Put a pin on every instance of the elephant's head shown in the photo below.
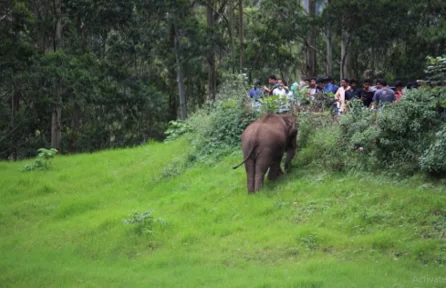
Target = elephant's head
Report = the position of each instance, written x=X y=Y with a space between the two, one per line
x=290 y=121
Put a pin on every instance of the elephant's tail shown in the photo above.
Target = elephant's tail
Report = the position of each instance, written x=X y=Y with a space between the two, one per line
x=246 y=159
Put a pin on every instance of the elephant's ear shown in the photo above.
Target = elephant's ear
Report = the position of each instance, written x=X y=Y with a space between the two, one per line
x=290 y=121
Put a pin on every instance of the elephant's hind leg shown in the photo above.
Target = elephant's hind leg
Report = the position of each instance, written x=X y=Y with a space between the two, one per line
x=250 y=174
x=274 y=170
x=262 y=164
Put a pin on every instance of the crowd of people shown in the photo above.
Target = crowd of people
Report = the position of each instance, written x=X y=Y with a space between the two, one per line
x=372 y=96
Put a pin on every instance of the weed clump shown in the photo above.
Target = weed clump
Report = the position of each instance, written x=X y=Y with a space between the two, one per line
x=144 y=222
x=42 y=161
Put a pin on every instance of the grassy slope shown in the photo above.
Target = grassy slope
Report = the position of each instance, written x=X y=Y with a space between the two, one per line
x=63 y=227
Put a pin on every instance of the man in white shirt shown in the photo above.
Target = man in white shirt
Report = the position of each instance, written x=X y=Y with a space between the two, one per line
x=281 y=89
x=285 y=96
x=340 y=95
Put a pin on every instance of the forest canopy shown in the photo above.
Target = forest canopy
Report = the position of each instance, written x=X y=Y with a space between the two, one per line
x=82 y=75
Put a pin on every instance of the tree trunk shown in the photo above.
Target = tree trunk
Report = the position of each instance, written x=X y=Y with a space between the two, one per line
x=212 y=75
x=231 y=34
x=74 y=127
x=56 y=125
x=345 y=55
x=241 y=34
x=311 y=68
x=14 y=105
x=58 y=29
x=180 y=75
x=329 y=67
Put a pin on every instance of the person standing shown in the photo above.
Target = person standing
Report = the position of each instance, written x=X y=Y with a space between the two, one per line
x=340 y=95
x=313 y=88
x=330 y=87
x=383 y=95
x=399 y=90
x=366 y=93
x=255 y=92
x=320 y=84
x=272 y=81
x=281 y=89
x=352 y=92
x=284 y=95
x=294 y=87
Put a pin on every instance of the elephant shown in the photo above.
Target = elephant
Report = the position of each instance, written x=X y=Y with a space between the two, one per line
x=263 y=144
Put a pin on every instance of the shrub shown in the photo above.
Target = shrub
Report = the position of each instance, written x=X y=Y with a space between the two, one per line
x=176 y=129
x=216 y=130
x=407 y=129
x=308 y=123
x=271 y=104
x=221 y=130
x=143 y=222
x=42 y=161
x=434 y=158
x=305 y=130
x=396 y=137
x=323 y=150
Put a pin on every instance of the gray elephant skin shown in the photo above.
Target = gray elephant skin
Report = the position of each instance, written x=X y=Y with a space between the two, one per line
x=263 y=143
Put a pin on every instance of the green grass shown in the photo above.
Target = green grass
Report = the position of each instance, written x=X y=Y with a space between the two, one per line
x=63 y=227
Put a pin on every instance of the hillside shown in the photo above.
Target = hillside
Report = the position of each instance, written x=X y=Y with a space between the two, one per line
x=63 y=227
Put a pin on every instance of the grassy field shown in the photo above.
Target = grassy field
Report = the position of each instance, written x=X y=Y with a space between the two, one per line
x=63 y=227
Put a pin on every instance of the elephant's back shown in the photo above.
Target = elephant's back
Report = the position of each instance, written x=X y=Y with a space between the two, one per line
x=265 y=134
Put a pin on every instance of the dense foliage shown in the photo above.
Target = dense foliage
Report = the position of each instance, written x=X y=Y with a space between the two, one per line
x=216 y=129
x=404 y=138
x=434 y=158
x=82 y=75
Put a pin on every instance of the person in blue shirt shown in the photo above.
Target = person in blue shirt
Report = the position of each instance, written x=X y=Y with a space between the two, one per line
x=255 y=92
x=330 y=87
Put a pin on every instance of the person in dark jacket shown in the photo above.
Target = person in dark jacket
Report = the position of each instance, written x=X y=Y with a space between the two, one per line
x=353 y=92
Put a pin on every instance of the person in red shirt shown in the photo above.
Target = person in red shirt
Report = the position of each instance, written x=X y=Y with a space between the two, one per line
x=399 y=92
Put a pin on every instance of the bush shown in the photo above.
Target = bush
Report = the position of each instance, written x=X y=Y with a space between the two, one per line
x=396 y=139
x=143 y=222
x=407 y=129
x=216 y=130
x=42 y=161
x=219 y=132
x=305 y=130
x=308 y=123
x=434 y=158
x=323 y=150
x=176 y=129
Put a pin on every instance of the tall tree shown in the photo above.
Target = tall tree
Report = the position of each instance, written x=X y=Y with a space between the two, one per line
x=241 y=35
x=310 y=44
x=231 y=33
x=345 y=49
x=329 y=41
x=56 y=122
x=212 y=75
x=180 y=80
